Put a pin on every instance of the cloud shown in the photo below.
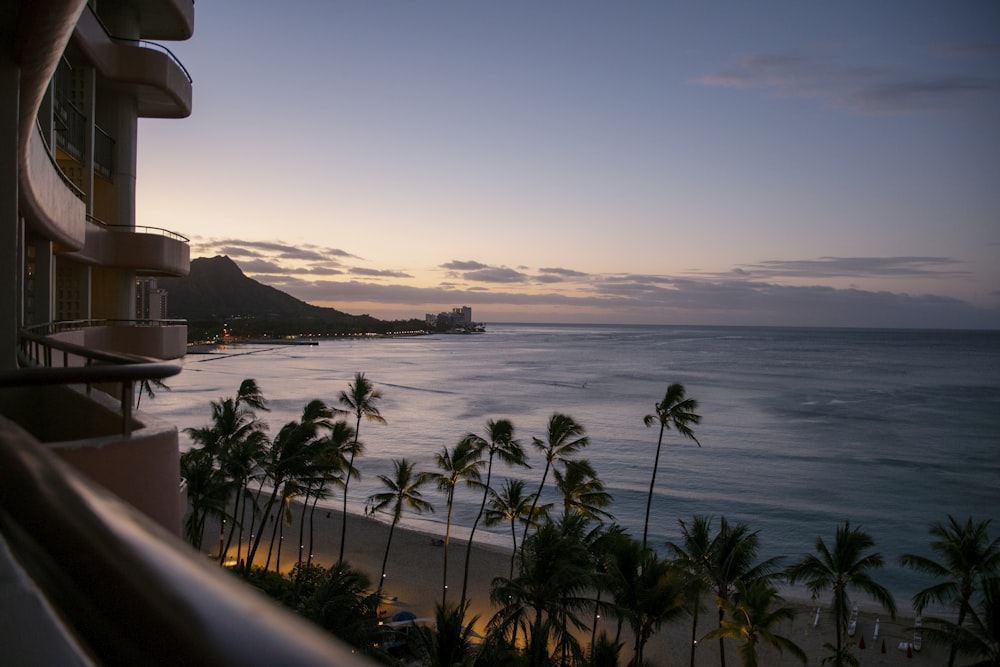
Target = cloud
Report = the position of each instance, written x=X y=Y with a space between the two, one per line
x=279 y=249
x=260 y=266
x=856 y=267
x=456 y=265
x=859 y=89
x=665 y=300
x=483 y=273
x=495 y=275
x=565 y=273
x=360 y=271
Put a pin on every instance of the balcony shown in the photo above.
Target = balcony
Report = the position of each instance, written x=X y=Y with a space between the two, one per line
x=153 y=339
x=166 y=19
x=161 y=84
x=52 y=203
x=149 y=251
x=84 y=577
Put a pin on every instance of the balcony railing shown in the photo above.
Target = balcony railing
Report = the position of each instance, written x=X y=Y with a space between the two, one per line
x=48 y=361
x=124 y=590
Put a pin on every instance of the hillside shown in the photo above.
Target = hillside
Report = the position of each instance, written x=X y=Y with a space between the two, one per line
x=216 y=291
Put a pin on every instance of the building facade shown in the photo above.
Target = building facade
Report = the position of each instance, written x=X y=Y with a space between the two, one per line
x=75 y=78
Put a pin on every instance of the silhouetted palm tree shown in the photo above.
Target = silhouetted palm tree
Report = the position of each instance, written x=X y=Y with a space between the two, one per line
x=402 y=492
x=754 y=618
x=287 y=460
x=549 y=592
x=650 y=592
x=499 y=443
x=847 y=566
x=231 y=444
x=731 y=562
x=980 y=638
x=511 y=505
x=966 y=555
x=460 y=464
x=359 y=400
x=331 y=466
x=676 y=412
x=449 y=642
x=694 y=556
x=564 y=438
x=583 y=491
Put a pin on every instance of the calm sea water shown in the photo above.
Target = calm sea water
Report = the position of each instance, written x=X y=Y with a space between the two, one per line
x=802 y=429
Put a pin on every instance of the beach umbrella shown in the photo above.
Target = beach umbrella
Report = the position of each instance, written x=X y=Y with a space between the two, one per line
x=403 y=616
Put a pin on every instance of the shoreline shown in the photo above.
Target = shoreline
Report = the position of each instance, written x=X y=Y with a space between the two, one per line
x=414 y=583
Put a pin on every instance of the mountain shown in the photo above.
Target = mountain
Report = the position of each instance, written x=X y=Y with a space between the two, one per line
x=217 y=291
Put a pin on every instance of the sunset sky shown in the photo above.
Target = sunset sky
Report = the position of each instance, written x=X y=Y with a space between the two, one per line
x=785 y=163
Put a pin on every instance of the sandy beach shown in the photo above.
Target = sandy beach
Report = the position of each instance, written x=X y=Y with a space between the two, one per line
x=414 y=579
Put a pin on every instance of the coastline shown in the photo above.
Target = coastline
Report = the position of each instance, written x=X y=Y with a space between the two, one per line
x=414 y=580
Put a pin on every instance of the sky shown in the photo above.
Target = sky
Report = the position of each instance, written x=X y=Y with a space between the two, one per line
x=704 y=163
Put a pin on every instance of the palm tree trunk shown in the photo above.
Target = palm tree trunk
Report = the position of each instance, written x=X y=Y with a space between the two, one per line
x=472 y=533
x=722 y=645
x=513 y=554
x=252 y=553
x=347 y=481
x=302 y=525
x=385 y=558
x=652 y=484
x=447 y=538
x=281 y=543
x=534 y=503
x=232 y=530
x=312 y=526
x=274 y=536
x=694 y=630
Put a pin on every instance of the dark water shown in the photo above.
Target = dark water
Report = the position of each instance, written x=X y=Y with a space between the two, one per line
x=802 y=429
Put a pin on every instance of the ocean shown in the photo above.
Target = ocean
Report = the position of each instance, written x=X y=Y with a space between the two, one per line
x=802 y=429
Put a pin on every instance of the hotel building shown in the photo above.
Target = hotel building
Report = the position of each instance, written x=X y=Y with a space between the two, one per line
x=91 y=502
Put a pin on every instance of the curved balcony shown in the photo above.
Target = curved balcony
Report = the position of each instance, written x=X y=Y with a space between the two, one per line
x=149 y=251
x=152 y=339
x=161 y=84
x=166 y=19
x=52 y=205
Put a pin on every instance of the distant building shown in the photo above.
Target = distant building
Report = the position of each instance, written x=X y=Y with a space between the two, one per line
x=460 y=318
x=150 y=300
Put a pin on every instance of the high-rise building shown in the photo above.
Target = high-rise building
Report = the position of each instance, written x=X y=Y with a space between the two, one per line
x=88 y=485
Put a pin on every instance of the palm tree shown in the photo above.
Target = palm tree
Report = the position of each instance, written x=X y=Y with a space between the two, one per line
x=208 y=492
x=512 y=505
x=461 y=464
x=549 y=592
x=847 y=566
x=449 y=643
x=499 y=443
x=754 y=619
x=231 y=444
x=965 y=555
x=732 y=553
x=583 y=492
x=676 y=412
x=402 y=492
x=287 y=461
x=564 y=438
x=331 y=466
x=649 y=592
x=981 y=637
x=359 y=400
x=694 y=555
